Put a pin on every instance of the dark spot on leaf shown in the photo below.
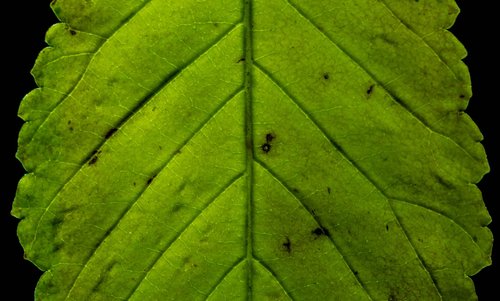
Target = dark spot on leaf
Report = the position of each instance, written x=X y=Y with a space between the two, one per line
x=71 y=129
x=150 y=180
x=287 y=245
x=135 y=184
x=72 y=32
x=57 y=246
x=241 y=60
x=93 y=160
x=321 y=231
x=329 y=190
x=56 y=221
x=295 y=190
x=474 y=238
x=370 y=89
x=269 y=137
x=355 y=272
x=386 y=227
x=462 y=96
x=266 y=147
x=326 y=76
x=69 y=122
x=177 y=207
x=110 y=133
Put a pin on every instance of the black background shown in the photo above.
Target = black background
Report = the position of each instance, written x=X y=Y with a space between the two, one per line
x=25 y=24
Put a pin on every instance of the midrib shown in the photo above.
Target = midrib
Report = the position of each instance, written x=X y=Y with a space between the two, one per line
x=247 y=21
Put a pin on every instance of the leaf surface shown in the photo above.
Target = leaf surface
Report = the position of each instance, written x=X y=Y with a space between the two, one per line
x=252 y=150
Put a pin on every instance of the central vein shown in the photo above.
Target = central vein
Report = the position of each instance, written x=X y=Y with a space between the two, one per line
x=247 y=21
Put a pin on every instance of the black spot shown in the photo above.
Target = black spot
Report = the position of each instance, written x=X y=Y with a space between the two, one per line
x=321 y=231
x=56 y=221
x=329 y=190
x=355 y=272
x=269 y=137
x=370 y=89
x=93 y=160
x=150 y=180
x=177 y=207
x=266 y=147
x=326 y=76
x=241 y=60
x=110 y=133
x=71 y=129
x=386 y=227
x=287 y=245
x=72 y=32
x=462 y=96
x=135 y=184
x=295 y=190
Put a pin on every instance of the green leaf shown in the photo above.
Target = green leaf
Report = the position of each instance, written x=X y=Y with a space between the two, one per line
x=260 y=150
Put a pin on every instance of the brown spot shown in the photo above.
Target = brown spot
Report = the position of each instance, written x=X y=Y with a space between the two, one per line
x=287 y=245
x=266 y=147
x=150 y=180
x=269 y=137
x=93 y=160
x=370 y=89
x=110 y=133
x=462 y=96
x=321 y=231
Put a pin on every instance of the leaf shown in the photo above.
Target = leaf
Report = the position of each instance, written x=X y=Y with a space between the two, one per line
x=265 y=150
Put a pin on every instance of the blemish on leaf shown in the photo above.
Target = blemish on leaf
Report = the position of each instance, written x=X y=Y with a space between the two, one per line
x=93 y=160
x=321 y=231
x=150 y=180
x=370 y=89
x=72 y=32
x=326 y=76
x=95 y=157
x=266 y=147
x=269 y=137
x=241 y=60
x=110 y=133
x=386 y=227
x=287 y=245
x=329 y=190
x=295 y=190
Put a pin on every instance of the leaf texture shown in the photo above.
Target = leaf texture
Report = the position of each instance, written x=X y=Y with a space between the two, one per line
x=252 y=150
